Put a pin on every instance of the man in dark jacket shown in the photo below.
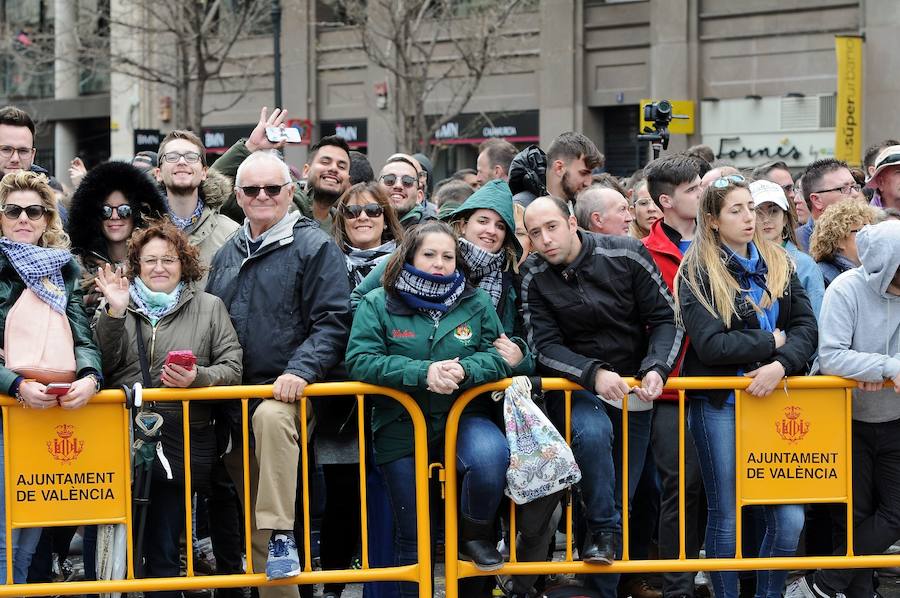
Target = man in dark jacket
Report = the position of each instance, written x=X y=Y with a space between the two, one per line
x=277 y=277
x=596 y=310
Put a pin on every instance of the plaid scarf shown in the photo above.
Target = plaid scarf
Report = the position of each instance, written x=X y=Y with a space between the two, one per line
x=427 y=292
x=153 y=304
x=185 y=223
x=486 y=267
x=361 y=261
x=40 y=269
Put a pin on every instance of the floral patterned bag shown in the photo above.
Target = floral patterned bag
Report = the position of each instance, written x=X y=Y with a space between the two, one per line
x=540 y=461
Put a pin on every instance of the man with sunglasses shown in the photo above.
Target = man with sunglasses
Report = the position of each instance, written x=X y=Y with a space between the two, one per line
x=327 y=170
x=400 y=180
x=193 y=195
x=278 y=279
x=825 y=182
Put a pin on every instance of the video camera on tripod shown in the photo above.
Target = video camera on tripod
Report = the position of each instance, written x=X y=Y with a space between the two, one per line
x=660 y=114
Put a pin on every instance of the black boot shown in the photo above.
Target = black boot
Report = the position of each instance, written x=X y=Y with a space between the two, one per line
x=600 y=549
x=476 y=544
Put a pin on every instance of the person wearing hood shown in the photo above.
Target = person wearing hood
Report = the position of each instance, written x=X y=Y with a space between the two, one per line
x=194 y=195
x=283 y=281
x=113 y=200
x=151 y=309
x=860 y=339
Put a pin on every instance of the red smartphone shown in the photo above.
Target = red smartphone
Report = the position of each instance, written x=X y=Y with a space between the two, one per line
x=185 y=359
x=58 y=388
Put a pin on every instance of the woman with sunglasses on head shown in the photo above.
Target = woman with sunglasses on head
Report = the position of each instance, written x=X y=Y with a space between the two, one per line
x=746 y=313
x=428 y=333
x=833 y=242
x=152 y=308
x=39 y=278
x=777 y=222
x=110 y=203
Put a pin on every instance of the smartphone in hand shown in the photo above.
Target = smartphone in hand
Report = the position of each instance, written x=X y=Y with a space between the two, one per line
x=185 y=359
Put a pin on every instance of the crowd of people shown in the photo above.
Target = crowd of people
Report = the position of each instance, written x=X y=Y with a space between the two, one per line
x=532 y=263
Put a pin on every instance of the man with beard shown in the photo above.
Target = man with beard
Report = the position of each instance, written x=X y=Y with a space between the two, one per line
x=194 y=195
x=570 y=160
x=327 y=171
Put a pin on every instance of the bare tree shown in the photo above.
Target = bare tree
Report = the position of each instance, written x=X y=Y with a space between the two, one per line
x=435 y=54
x=186 y=47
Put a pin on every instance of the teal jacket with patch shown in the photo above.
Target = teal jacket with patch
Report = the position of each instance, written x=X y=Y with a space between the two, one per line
x=393 y=345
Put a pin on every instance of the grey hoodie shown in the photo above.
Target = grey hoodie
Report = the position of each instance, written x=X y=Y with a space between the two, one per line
x=859 y=327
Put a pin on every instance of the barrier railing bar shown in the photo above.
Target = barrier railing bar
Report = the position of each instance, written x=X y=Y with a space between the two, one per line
x=363 y=490
x=512 y=532
x=739 y=505
x=304 y=471
x=245 y=466
x=848 y=417
x=569 y=515
x=129 y=522
x=682 y=515
x=188 y=494
x=7 y=491
x=624 y=466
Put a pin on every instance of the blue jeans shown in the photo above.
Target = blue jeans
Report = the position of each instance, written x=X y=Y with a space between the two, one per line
x=24 y=540
x=482 y=457
x=596 y=443
x=713 y=431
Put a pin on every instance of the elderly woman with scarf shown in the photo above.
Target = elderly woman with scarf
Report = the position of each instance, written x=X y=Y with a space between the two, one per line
x=430 y=334
x=153 y=311
x=36 y=265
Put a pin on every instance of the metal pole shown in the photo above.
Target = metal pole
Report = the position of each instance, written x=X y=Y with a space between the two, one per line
x=276 y=42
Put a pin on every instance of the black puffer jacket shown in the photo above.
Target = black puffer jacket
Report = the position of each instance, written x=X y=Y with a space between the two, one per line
x=718 y=351
x=609 y=308
x=288 y=301
x=528 y=175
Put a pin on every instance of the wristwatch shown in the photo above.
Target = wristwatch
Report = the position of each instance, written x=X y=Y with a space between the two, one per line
x=96 y=382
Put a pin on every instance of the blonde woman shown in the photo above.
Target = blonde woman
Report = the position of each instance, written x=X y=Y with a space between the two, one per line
x=746 y=313
x=833 y=242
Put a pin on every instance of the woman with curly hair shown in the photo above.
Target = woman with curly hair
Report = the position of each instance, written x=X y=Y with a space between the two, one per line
x=833 y=242
x=112 y=201
x=152 y=310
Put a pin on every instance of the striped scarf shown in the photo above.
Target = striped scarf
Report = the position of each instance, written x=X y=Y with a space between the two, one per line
x=40 y=269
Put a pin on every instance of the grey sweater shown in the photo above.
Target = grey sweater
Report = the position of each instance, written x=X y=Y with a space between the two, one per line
x=859 y=327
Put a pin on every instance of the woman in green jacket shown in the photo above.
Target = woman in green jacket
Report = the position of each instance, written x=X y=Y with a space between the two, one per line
x=427 y=333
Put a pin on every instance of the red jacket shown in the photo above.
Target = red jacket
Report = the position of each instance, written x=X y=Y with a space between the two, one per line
x=662 y=243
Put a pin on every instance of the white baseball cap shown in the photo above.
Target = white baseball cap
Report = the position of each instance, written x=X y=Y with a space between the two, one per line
x=763 y=191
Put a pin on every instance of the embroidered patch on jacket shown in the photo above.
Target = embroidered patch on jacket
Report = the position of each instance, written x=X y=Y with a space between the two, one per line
x=463 y=333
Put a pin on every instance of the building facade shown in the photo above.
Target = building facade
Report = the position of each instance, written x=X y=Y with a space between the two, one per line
x=759 y=77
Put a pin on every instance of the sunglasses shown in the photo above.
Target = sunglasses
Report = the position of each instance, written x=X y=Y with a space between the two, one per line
x=406 y=180
x=271 y=190
x=124 y=211
x=372 y=210
x=33 y=212
x=724 y=181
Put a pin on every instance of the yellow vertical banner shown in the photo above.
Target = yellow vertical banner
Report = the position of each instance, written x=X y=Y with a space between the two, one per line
x=848 y=124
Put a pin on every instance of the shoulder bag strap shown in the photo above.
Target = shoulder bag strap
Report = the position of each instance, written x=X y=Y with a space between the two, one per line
x=142 y=352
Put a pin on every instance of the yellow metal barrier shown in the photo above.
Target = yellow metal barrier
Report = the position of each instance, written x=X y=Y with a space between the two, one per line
x=797 y=394
x=65 y=447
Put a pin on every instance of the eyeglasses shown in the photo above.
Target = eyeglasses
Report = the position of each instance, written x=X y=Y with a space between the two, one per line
x=271 y=190
x=34 y=212
x=189 y=157
x=722 y=182
x=167 y=261
x=6 y=151
x=844 y=189
x=124 y=211
x=643 y=203
x=372 y=210
x=391 y=179
x=789 y=188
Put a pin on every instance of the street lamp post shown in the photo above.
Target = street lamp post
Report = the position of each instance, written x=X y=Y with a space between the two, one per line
x=276 y=42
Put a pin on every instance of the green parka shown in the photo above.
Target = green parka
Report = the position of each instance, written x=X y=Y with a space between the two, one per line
x=393 y=345
x=87 y=356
